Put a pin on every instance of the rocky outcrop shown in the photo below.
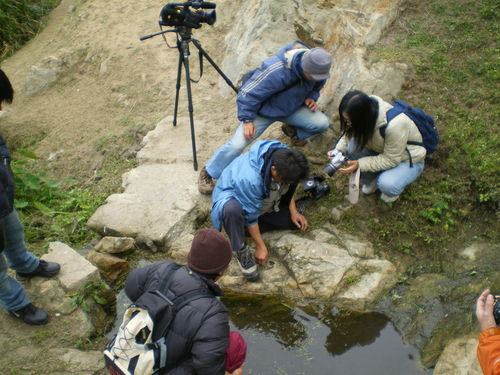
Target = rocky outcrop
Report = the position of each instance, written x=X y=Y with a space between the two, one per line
x=459 y=358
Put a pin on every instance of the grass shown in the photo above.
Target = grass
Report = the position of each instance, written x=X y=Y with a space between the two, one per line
x=452 y=48
x=21 y=20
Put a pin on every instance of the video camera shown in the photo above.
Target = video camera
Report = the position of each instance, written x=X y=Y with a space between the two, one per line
x=180 y=14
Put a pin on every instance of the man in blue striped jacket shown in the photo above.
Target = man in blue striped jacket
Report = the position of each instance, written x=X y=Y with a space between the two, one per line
x=285 y=88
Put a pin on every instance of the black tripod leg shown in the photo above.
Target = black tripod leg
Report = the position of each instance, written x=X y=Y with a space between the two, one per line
x=212 y=62
x=185 y=54
x=178 y=86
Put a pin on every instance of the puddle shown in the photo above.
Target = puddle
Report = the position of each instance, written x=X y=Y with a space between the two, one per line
x=285 y=340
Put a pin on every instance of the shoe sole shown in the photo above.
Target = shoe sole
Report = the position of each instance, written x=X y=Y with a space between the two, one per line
x=250 y=274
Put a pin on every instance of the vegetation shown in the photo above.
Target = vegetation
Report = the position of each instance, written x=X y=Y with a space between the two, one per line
x=20 y=20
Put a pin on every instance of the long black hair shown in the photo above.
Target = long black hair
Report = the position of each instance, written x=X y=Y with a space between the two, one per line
x=362 y=112
x=6 y=90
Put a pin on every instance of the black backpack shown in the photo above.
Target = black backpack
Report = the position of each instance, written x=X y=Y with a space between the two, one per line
x=139 y=346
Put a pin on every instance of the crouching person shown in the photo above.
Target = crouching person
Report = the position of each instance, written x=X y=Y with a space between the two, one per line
x=255 y=193
x=198 y=337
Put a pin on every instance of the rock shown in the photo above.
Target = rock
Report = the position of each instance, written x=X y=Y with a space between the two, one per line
x=169 y=144
x=115 y=245
x=111 y=267
x=76 y=271
x=77 y=362
x=370 y=279
x=149 y=207
x=317 y=267
x=47 y=72
x=459 y=357
x=50 y=295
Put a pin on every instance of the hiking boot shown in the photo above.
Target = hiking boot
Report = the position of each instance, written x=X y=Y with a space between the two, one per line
x=296 y=142
x=388 y=199
x=370 y=188
x=30 y=314
x=44 y=269
x=205 y=182
x=247 y=264
x=289 y=130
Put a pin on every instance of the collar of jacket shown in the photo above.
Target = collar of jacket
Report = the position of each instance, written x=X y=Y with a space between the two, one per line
x=214 y=288
x=265 y=172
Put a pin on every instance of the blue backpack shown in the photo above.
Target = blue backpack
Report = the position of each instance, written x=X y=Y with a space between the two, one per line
x=424 y=122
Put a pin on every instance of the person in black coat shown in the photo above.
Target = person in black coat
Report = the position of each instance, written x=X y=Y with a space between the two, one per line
x=13 y=252
x=198 y=337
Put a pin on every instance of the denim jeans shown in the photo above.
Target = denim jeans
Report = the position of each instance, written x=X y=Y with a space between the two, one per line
x=17 y=257
x=306 y=121
x=392 y=181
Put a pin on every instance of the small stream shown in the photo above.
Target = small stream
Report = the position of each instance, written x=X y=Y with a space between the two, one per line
x=284 y=339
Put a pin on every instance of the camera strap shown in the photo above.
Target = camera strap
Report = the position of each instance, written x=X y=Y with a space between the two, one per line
x=354 y=187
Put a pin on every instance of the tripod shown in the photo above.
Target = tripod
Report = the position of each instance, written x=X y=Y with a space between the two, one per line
x=184 y=34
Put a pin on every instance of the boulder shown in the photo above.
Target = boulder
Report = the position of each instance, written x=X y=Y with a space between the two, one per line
x=111 y=267
x=76 y=271
x=115 y=245
x=459 y=357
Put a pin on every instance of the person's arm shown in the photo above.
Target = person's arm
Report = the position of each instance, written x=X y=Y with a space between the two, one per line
x=488 y=350
x=298 y=219
x=261 y=253
x=262 y=85
x=315 y=92
x=137 y=280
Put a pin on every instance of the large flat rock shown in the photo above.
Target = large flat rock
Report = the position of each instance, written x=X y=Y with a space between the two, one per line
x=157 y=201
x=76 y=271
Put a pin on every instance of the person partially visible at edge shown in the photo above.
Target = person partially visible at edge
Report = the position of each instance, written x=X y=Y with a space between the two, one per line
x=255 y=193
x=387 y=163
x=198 y=337
x=488 y=350
x=13 y=251
x=285 y=88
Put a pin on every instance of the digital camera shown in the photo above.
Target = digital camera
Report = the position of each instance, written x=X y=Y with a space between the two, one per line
x=314 y=187
x=337 y=159
x=496 y=309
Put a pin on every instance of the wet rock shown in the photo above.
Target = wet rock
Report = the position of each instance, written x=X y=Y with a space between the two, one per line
x=111 y=267
x=76 y=271
x=115 y=245
x=459 y=357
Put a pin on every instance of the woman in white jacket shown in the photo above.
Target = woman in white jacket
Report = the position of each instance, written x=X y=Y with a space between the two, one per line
x=381 y=151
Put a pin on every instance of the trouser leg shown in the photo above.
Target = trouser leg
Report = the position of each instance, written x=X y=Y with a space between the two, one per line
x=307 y=122
x=234 y=224
x=281 y=219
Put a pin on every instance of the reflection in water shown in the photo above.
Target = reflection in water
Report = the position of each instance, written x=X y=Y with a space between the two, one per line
x=349 y=329
x=269 y=314
x=316 y=340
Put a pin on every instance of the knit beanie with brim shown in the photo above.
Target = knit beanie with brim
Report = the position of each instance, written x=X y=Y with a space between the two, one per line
x=210 y=252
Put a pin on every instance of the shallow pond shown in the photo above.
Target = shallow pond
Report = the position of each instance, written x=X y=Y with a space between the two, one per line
x=316 y=340
x=312 y=339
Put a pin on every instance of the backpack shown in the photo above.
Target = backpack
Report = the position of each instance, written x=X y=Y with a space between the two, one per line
x=139 y=346
x=424 y=122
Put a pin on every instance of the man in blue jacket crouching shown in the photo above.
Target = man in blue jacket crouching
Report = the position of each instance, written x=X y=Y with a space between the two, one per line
x=285 y=88
x=256 y=193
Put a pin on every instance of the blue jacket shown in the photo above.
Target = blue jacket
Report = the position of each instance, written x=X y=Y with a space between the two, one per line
x=276 y=89
x=243 y=180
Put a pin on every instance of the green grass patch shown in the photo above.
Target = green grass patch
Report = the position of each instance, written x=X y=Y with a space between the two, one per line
x=21 y=20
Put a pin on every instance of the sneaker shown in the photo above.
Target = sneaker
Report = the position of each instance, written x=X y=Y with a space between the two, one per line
x=44 y=269
x=289 y=130
x=370 y=188
x=205 y=182
x=296 y=142
x=30 y=314
x=247 y=264
x=388 y=199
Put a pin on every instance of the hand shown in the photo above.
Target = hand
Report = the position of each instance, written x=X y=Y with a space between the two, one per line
x=299 y=220
x=484 y=310
x=353 y=165
x=311 y=104
x=261 y=255
x=238 y=371
x=248 y=130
